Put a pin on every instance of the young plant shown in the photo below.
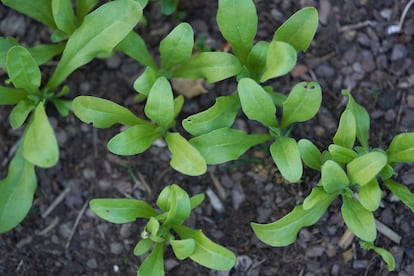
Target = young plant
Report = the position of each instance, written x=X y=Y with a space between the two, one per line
x=165 y=228
x=352 y=172
x=94 y=34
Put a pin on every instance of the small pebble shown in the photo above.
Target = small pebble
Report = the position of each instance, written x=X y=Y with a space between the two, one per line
x=410 y=101
x=243 y=263
x=399 y=51
x=390 y=115
x=315 y=251
x=92 y=264
x=116 y=248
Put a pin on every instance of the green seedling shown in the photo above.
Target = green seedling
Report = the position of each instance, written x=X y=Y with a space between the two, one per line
x=88 y=35
x=165 y=228
x=353 y=172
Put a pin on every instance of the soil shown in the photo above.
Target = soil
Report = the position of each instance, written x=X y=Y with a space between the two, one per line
x=352 y=49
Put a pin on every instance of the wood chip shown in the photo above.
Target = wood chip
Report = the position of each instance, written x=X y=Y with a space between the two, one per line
x=346 y=239
x=188 y=88
x=388 y=232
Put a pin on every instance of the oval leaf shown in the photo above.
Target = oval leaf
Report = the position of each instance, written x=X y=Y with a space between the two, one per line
x=134 y=46
x=16 y=191
x=285 y=154
x=134 y=140
x=364 y=168
x=142 y=247
x=40 y=146
x=103 y=113
x=333 y=177
x=221 y=114
x=160 y=103
x=96 y=36
x=285 y=230
x=214 y=66
x=179 y=206
x=145 y=81
x=358 y=219
x=20 y=112
x=40 y=10
x=206 y=252
x=64 y=15
x=310 y=154
x=401 y=148
x=317 y=194
x=346 y=133
x=177 y=47
x=342 y=154
x=22 y=69
x=256 y=60
x=183 y=248
x=280 y=60
x=361 y=117
x=370 y=195
x=185 y=157
x=299 y=29
x=256 y=103
x=9 y=96
x=237 y=20
x=121 y=210
x=226 y=144
x=302 y=103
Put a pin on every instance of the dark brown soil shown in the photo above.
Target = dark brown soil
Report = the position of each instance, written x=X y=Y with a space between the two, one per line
x=352 y=49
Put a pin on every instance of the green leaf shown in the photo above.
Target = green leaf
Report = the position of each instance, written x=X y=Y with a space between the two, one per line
x=317 y=194
x=387 y=172
x=226 y=144
x=177 y=47
x=160 y=103
x=333 y=177
x=341 y=154
x=134 y=140
x=386 y=255
x=285 y=154
x=40 y=10
x=153 y=264
x=83 y=7
x=214 y=66
x=402 y=192
x=98 y=34
x=370 y=195
x=5 y=44
x=280 y=60
x=364 y=168
x=256 y=103
x=302 y=103
x=22 y=69
x=346 y=133
x=134 y=46
x=121 y=210
x=178 y=105
x=221 y=114
x=310 y=154
x=183 y=248
x=361 y=117
x=64 y=15
x=285 y=230
x=40 y=146
x=16 y=191
x=299 y=29
x=256 y=60
x=401 y=148
x=196 y=200
x=142 y=247
x=10 y=96
x=103 y=113
x=62 y=106
x=237 y=20
x=185 y=157
x=145 y=81
x=43 y=53
x=358 y=219
x=20 y=112
x=169 y=6
x=207 y=253
x=176 y=203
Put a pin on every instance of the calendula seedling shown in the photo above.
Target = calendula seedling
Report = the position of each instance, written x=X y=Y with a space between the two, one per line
x=165 y=228
x=352 y=172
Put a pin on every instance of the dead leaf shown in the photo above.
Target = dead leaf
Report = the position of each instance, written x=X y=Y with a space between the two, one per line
x=188 y=88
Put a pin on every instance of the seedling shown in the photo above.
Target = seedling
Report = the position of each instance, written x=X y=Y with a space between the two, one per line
x=165 y=228
x=352 y=172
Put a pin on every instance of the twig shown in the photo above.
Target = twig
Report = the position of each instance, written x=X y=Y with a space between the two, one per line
x=82 y=211
x=220 y=190
x=397 y=28
x=346 y=239
x=43 y=232
x=388 y=232
x=56 y=202
x=141 y=183
x=356 y=26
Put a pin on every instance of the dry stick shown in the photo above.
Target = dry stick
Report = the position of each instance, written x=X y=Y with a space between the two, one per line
x=388 y=232
x=220 y=190
x=82 y=211
x=56 y=202
x=356 y=26
x=43 y=232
